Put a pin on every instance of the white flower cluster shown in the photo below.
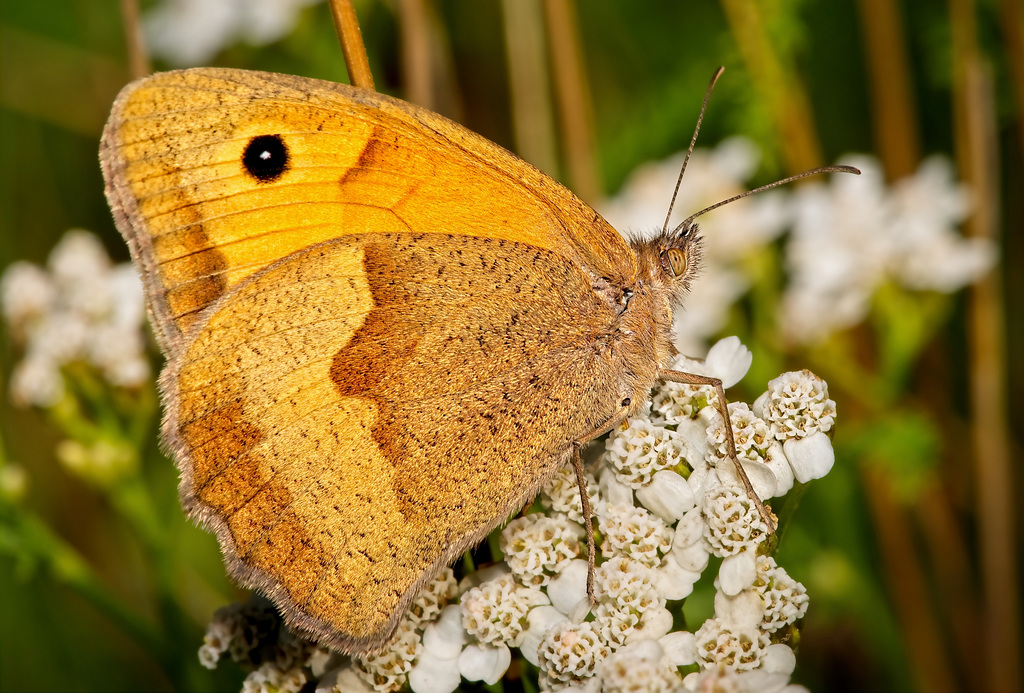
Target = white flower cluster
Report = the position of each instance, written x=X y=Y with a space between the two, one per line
x=191 y=32
x=80 y=307
x=665 y=499
x=848 y=237
x=855 y=233
x=536 y=547
x=252 y=635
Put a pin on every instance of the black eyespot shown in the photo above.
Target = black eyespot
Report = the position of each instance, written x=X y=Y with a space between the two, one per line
x=266 y=158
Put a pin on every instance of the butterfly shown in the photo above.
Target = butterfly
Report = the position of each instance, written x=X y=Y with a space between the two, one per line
x=383 y=332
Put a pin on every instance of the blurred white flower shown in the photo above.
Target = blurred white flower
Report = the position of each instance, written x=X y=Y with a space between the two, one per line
x=837 y=251
x=848 y=236
x=928 y=206
x=191 y=32
x=129 y=302
x=26 y=293
x=63 y=336
x=855 y=232
x=705 y=310
x=36 y=380
x=77 y=260
x=80 y=308
x=711 y=176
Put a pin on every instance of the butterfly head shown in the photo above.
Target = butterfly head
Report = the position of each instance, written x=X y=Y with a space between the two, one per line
x=679 y=255
x=666 y=264
x=671 y=260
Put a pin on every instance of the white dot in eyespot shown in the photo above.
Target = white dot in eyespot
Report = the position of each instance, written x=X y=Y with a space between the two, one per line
x=265 y=155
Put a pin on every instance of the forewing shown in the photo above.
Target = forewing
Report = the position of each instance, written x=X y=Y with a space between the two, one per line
x=199 y=222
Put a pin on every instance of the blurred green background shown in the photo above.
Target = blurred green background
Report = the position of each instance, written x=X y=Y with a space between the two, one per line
x=910 y=548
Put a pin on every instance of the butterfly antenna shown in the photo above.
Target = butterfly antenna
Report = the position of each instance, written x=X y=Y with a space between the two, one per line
x=813 y=172
x=693 y=141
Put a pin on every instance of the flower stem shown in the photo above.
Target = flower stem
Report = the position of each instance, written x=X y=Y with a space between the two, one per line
x=976 y=148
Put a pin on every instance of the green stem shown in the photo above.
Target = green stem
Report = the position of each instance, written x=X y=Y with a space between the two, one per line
x=788 y=509
x=494 y=544
x=132 y=500
x=27 y=537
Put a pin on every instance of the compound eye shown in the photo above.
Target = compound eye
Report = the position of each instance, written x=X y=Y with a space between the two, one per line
x=676 y=261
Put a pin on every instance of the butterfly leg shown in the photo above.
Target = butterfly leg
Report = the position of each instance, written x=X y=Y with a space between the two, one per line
x=588 y=513
x=723 y=409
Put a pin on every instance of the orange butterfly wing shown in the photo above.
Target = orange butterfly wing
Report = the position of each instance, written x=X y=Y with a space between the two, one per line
x=198 y=222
